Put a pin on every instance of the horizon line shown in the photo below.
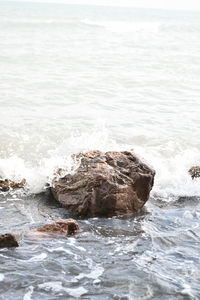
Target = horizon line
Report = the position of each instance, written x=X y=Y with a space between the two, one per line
x=126 y=5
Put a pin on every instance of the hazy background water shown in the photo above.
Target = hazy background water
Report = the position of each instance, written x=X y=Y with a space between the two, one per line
x=84 y=77
x=75 y=78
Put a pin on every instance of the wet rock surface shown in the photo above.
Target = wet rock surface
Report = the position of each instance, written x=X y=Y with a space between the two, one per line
x=67 y=227
x=8 y=240
x=105 y=184
x=194 y=172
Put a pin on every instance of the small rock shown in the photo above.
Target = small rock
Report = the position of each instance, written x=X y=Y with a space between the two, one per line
x=194 y=172
x=6 y=184
x=8 y=240
x=67 y=227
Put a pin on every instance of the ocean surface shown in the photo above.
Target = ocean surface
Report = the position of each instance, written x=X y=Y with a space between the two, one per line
x=76 y=78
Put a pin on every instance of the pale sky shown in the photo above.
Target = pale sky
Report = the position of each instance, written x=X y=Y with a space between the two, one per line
x=165 y=4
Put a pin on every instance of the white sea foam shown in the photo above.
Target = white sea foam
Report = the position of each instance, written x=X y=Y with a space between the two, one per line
x=96 y=271
x=39 y=257
x=122 y=26
x=73 y=242
x=1 y=277
x=28 y=295
x=57 y=287
x=15 y=168
x=61 y=249
x=187 y=290
x=94 y=274
x=172 y=177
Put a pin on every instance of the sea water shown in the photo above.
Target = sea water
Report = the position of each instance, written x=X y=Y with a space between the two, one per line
x=76 y=78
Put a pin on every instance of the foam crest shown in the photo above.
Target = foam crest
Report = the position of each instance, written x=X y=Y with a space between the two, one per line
x=1 y=277
x=170 y=161
x=57 y=287
x=172 y=177
x=28 y=295
x=124 y=26
x=39 y=174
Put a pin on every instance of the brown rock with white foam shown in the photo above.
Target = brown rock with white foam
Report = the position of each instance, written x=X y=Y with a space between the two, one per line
x=6 y=184
x=105 y=184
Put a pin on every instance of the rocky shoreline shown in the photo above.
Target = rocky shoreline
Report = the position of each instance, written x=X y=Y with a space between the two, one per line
x=105 y=184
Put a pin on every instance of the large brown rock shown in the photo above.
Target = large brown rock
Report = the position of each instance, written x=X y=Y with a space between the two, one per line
x=105 y=184
x=8 y=240
x=67 y=227
x=194 y=172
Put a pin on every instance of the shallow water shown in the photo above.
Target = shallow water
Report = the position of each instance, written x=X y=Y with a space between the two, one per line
x=151 y=255
x=76 y=78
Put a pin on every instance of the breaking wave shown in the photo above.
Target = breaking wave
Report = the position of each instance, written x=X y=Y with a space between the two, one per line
x=172 y=177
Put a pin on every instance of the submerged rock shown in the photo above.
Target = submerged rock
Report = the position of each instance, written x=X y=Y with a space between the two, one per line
x=6 y=185
x=8 y=240
x=105 y=184
x=194 y=172
x=67 y=227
